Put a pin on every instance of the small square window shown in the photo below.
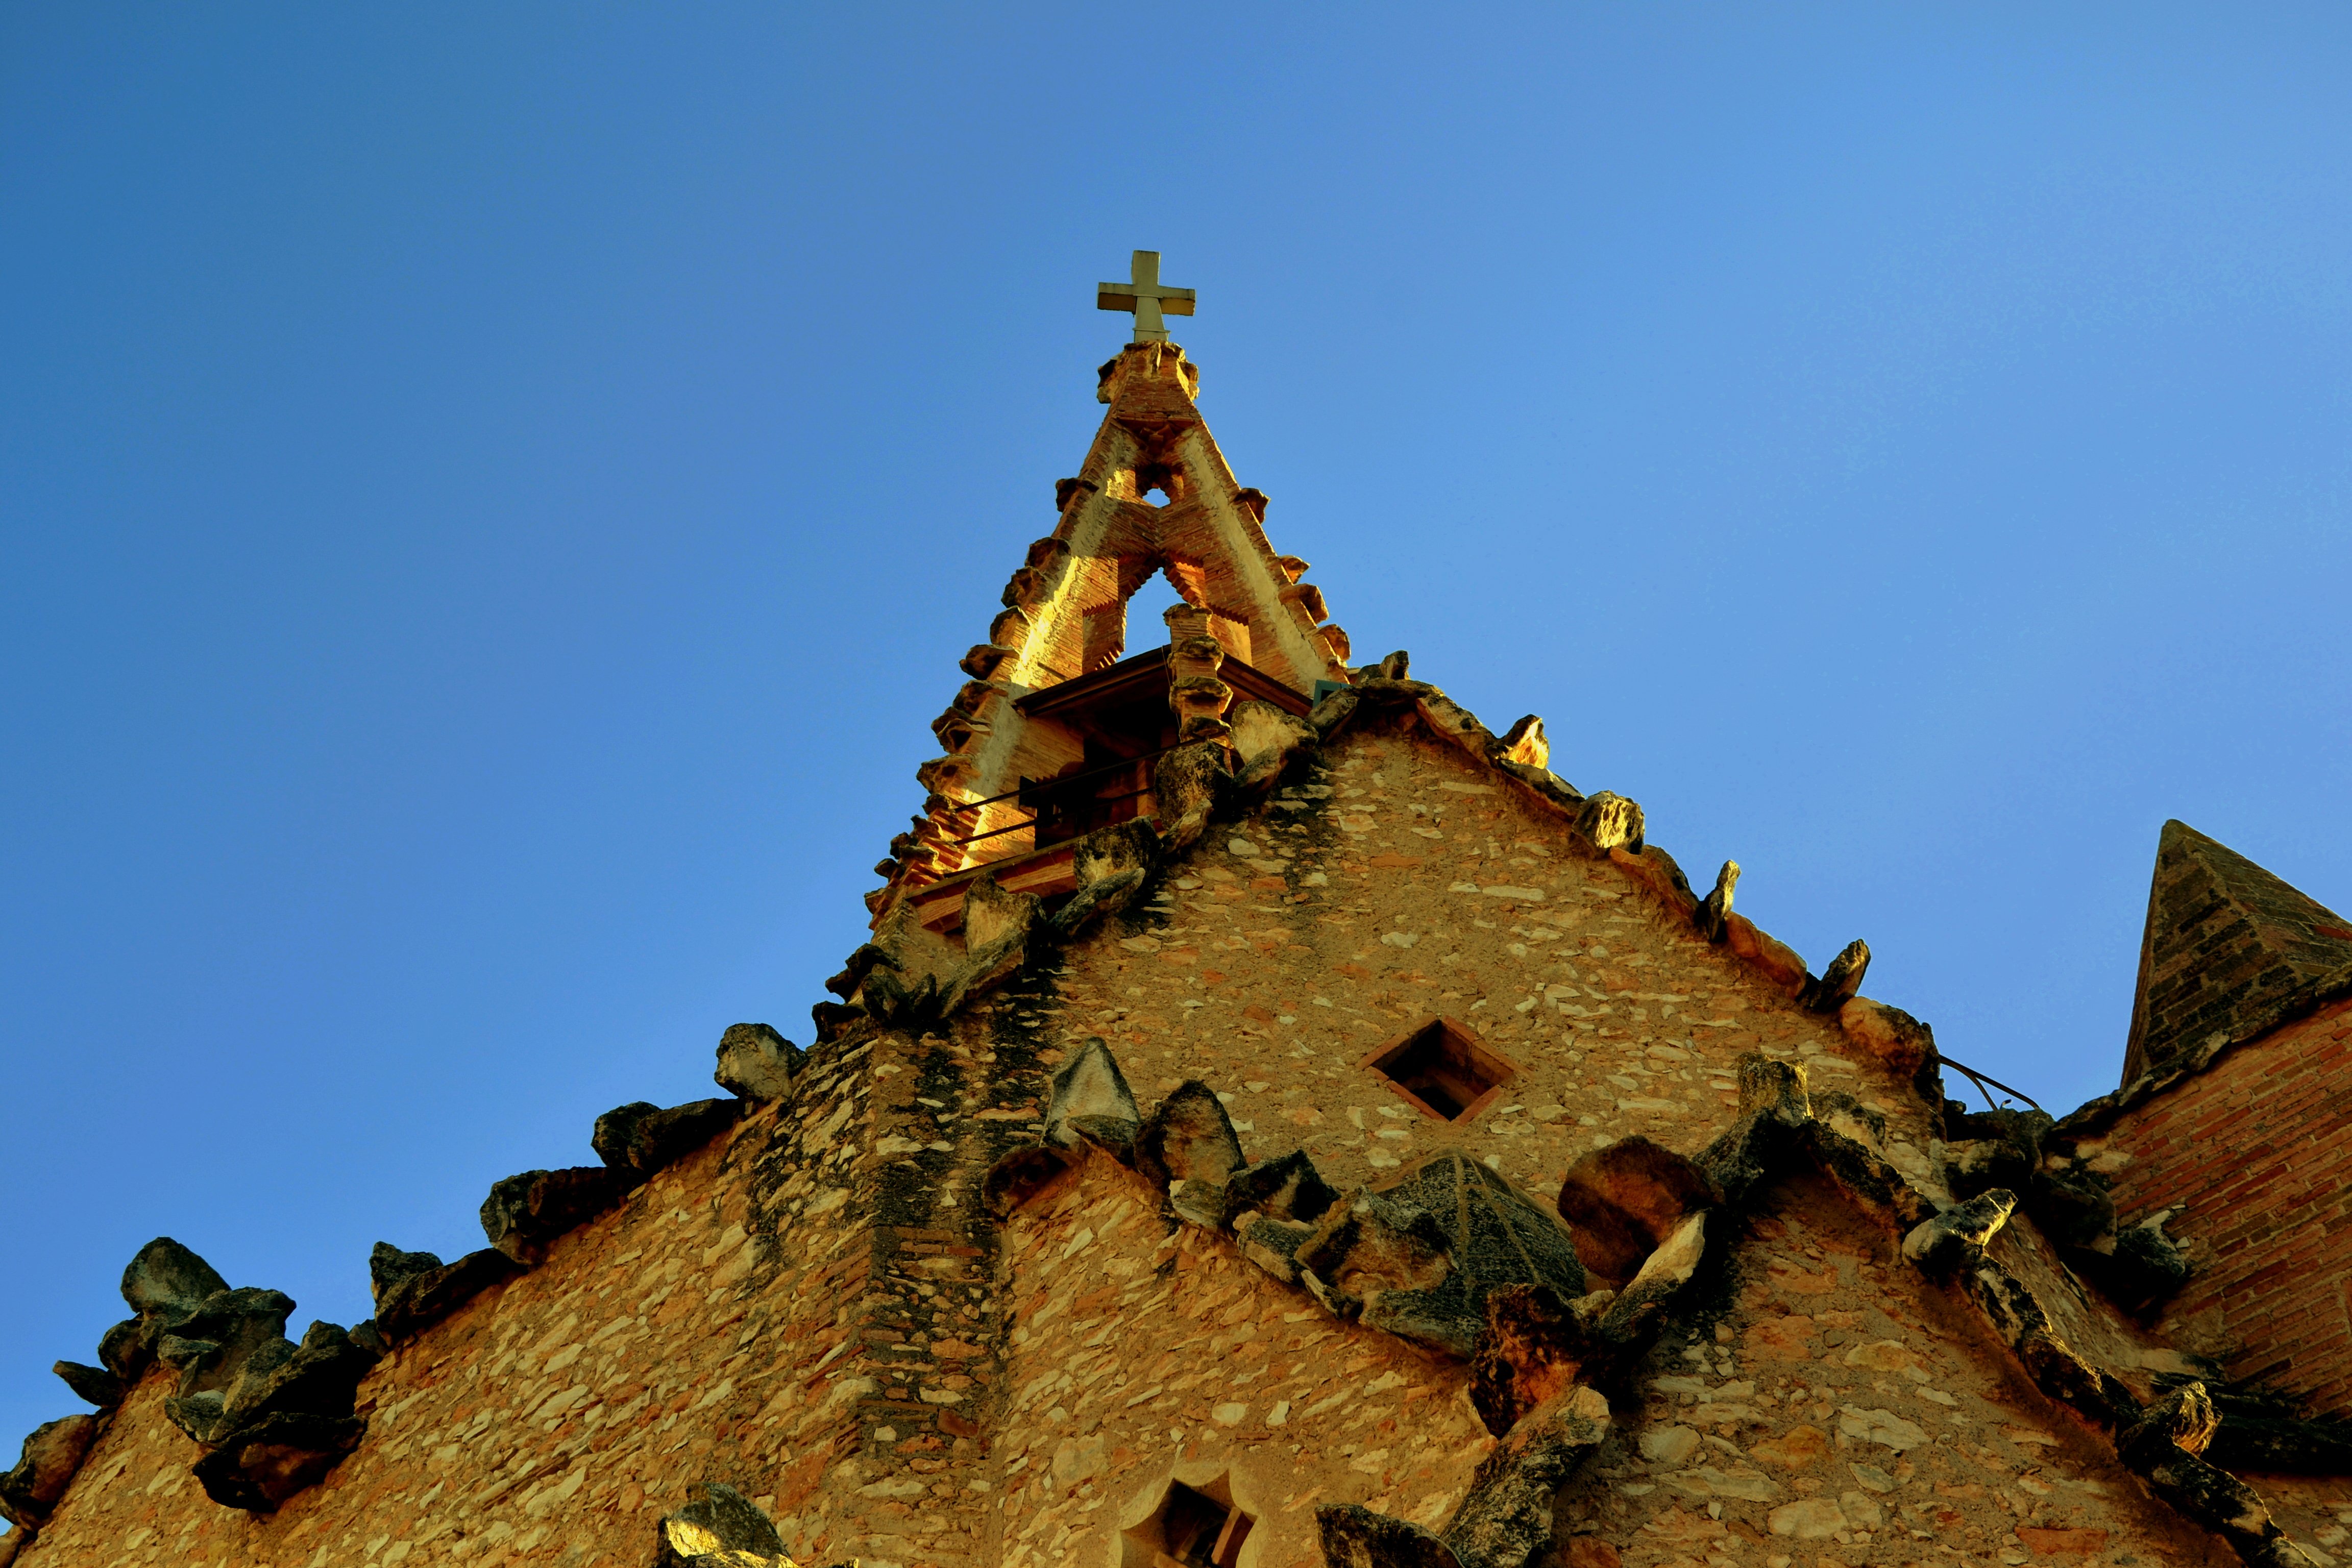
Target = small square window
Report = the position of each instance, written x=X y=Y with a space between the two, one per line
x=1190 y=1530
x=1443 y=1068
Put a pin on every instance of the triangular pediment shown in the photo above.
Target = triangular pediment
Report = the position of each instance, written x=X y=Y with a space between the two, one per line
x=2227 y=945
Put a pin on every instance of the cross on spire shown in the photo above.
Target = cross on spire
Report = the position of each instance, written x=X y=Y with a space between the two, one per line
x=1146 y=295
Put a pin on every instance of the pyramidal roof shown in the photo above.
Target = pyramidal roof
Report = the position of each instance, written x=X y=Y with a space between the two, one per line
x=2228 y=948
x=1153 y=496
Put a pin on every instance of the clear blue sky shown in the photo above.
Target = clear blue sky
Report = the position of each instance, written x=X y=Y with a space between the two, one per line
x=491 y=497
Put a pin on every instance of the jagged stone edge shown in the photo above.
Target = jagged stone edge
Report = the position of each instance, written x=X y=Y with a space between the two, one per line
x=2200 y=1491
x=845 y=1027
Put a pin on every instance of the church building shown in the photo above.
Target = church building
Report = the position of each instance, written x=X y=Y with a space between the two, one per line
x=1278 y=1120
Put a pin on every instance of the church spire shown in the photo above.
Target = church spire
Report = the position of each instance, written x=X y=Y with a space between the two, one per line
x=2227 y=943
x=1058 y=716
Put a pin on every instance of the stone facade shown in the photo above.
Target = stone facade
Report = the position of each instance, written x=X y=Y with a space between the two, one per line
x=1351 y=1144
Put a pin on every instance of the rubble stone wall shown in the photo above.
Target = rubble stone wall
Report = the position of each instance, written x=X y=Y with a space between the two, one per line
x=1142 y=1352
x=1839 y=1409
x=1398 y=881
x=704 y=1330
x=816 y=1311
x=2253 y=1159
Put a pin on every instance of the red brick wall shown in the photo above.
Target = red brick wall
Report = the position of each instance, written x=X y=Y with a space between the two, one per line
x=2253 y=1155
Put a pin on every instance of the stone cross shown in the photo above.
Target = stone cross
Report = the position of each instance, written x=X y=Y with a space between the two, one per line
x=1147 y=297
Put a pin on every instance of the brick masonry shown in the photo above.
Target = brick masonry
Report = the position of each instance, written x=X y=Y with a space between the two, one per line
x=2253 y=1157
x=2225 y=941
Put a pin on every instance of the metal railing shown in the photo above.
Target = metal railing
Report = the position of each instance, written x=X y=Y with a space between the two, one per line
x=1058 y=783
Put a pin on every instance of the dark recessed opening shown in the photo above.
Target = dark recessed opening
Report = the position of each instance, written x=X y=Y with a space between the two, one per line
x=1442 y=1067
x=1196 y=1530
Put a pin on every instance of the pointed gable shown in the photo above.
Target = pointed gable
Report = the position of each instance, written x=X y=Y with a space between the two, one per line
x=1153 y=497
x=1206 y=534
x=2227 y=945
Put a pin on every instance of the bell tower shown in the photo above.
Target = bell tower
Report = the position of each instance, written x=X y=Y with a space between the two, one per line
x=1054 y=733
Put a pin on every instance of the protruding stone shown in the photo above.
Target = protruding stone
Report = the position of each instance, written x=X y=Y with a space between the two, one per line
x=716 y=1520
x=1265 y=741
x=414 y=1302
x=757 y=1064
x=1196 y=651
x=1774 y=1112
x=181 y=1352
x=1290 y=1188
x=1896 y=1037
x=835 y=1020
x=1497 y=1235
x=126 y=1348
x=2184 y=1419
x=1272 y=1243
x=1656 y=870
x=1713 y=912
x=1525 y=742
x=998 y=924
x=1958 y=1236
x=1333 y=709
x=524 y=1213
x=1644 y=1300
x=1111 y=864
x=1353 y=1536
x=1090 y=1100
x=198 y=1415
x=1186 y=783
x=1372 y=1246
x=388 y=1266
x=45 y=1468
x=1620 y=1203
x=1418 y=1258
x=1198 y=1202
x=319 y=1377
x=1021 y=1174
x=233 y=1324
x=1536 y=1346
x=95 y=1384
x=1845 y=1141
x=1506 y=1520
x=1850 y=1117
x=983 y=660
x=1450 y=720
x=844 y=985
x=1993 y=1149
x=2145 y=1268
x=637 y=1139
x=1610 y=821
x=1775 y=960
x=1840 y=981
x=259 y=1467
x=2206 y=1494
x=2055 y=1367
x=2074 y=1208
x=1188 y=1137
x=1770 y=1087
x=165 y=1277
